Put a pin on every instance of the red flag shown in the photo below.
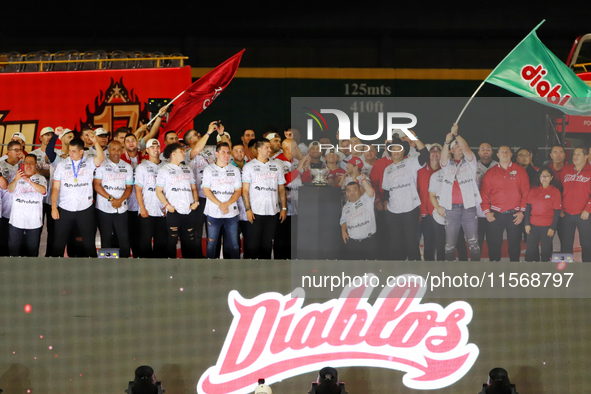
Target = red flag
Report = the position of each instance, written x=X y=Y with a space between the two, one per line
x=201 y=94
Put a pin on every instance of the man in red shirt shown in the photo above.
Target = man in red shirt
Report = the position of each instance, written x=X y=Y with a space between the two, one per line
x=558 y=161
x=576 y=203
x=504 y=192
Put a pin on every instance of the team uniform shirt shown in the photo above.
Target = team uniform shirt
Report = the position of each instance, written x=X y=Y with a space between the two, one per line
x=198 y=164
x=481 y=169
x=264 y=179
x=92 y=152
x=176 y=182
x=423 y=180
x=360 y=217
x=132 y=204
x=115 y=177
x=27 y=204
x=401 y=181
x=223 y=182
x=377 y=176
x=576 y=197
x=291 y=184
x=8 y=172
x=504 y=190
x=435 y=184
x=543 y=203
x=75 y=193
x=366 y=170
x=145 y=176
x=459 y=184
x=52 y=168
x=42 y=164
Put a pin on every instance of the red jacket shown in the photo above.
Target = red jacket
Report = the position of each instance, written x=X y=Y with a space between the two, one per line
x=576 y=197
x=543 y=204
x=126 y=158
x=376 y=176
x=423 y=179
x=504 y=190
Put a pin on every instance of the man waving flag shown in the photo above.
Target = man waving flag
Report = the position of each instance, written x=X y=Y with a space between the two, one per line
x=200 y=94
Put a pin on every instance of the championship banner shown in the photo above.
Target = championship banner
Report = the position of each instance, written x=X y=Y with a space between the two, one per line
x=532 y=71
x=77 y=99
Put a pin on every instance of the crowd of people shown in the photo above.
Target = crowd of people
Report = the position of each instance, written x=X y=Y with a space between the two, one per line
x=243 y=196
x=456 y=201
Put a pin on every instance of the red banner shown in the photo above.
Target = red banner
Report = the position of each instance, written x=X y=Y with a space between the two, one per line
x=200 y=94
x=77 y=99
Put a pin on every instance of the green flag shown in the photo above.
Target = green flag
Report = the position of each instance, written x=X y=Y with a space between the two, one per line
x=532 y=71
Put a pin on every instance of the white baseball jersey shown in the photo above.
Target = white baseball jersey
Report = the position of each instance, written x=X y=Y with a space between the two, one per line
x=401 y=181
x=132 y=204
x=27 y=204
x=75 y=193
x=145 y=176
x=42 y=164
x=115 y=177
x=291 y=189
x=223 y=182
x=176 y=182
x=8 y=172
x=360 y=217
x=435 y=184
x=264 y=179
x=198 y=164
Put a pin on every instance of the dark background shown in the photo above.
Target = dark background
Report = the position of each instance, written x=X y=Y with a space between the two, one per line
x=394 y=34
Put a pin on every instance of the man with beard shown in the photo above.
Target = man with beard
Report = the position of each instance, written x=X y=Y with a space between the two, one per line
x=485 y=163
x=247 y=136
x=113 y=183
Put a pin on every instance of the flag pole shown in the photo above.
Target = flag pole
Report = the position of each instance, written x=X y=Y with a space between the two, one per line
x=461 y=113
x=468 y=103
x=166 y=106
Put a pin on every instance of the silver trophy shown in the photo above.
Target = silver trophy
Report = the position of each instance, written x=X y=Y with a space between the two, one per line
x=319 y=176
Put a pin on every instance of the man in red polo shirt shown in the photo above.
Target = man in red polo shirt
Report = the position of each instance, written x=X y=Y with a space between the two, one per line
x=576 y=203
x=504 y=192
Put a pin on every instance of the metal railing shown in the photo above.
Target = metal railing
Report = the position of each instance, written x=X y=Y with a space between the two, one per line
x=101 y=62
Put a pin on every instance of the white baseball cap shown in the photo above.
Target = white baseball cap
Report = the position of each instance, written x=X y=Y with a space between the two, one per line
x=46 y=130
x=263 y=389
x=270 y=136
x=21 y=136
x=100 y=131
x=66 y=131
x=152 y=142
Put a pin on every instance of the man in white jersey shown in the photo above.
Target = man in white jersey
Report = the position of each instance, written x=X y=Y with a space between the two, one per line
x=263 y=186
x=71 y=197
x=152 y=223
x=222 y=186
x=113 y=182
x=26 y=217
x=9 y=167
x=175 y=188
x=358 y=221
x=44 y=137
x=132 y=157
x=198 y=162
